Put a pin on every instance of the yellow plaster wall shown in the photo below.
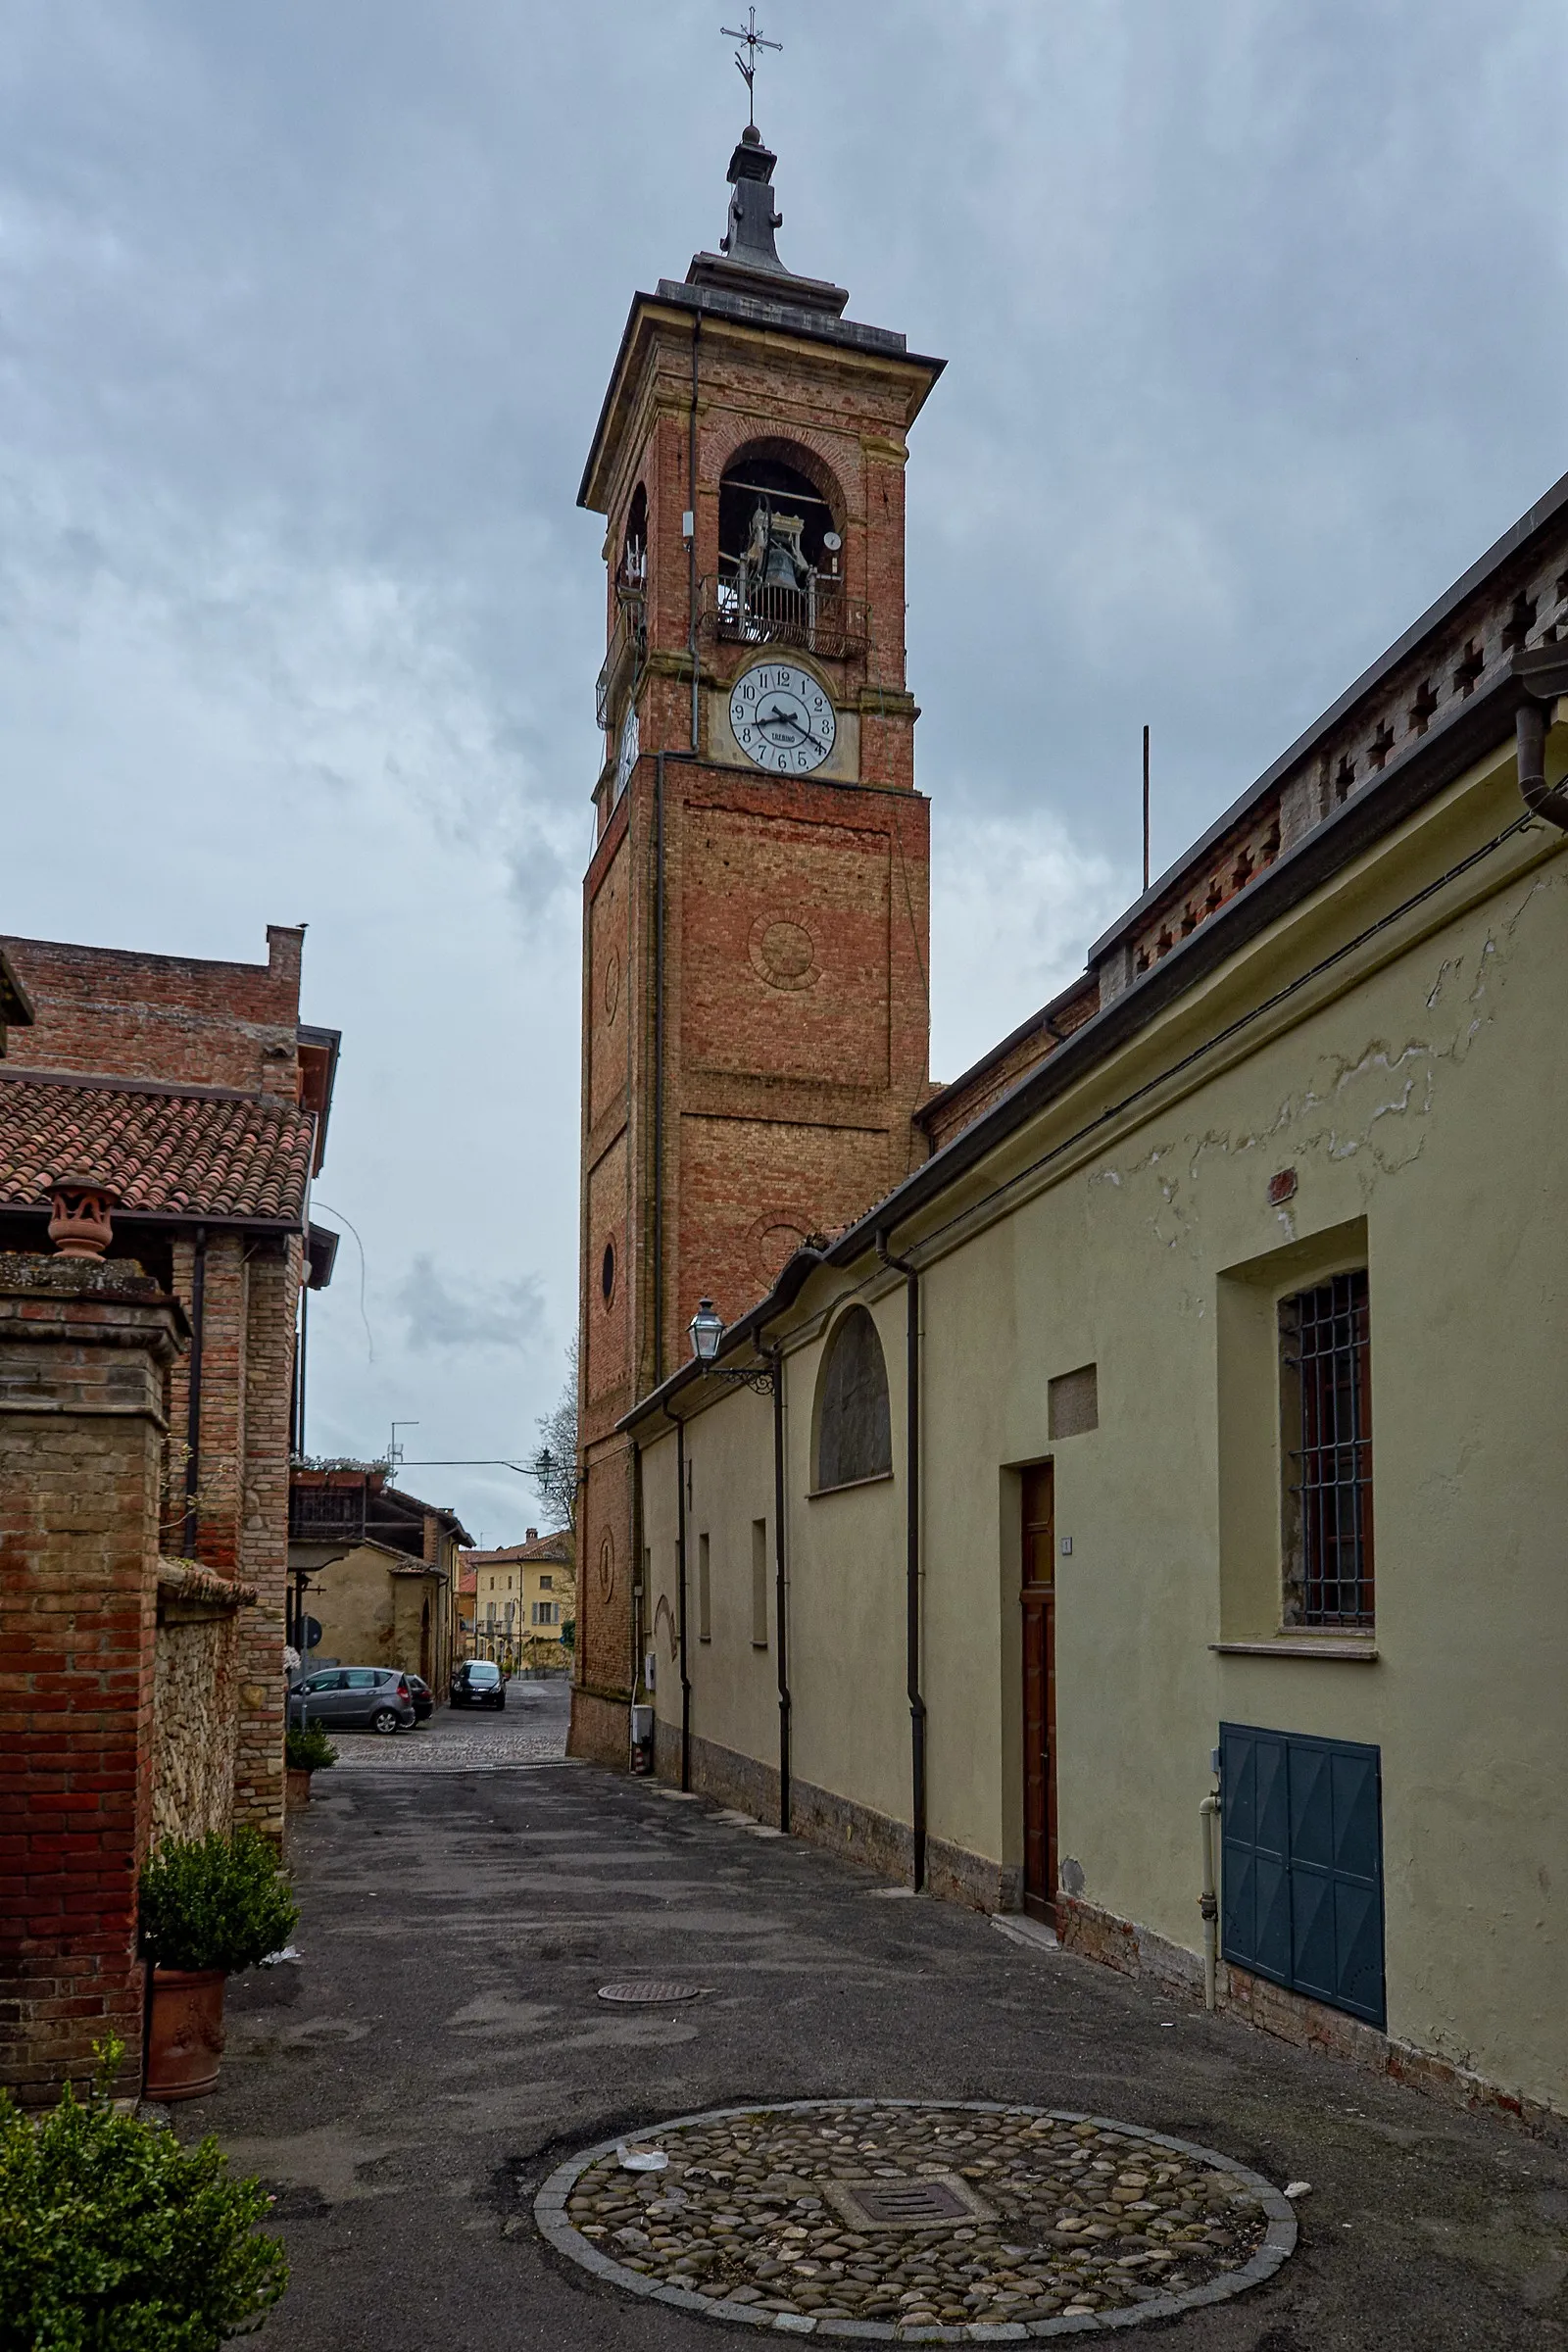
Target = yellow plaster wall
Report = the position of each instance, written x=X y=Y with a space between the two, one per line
x=1417 y=1087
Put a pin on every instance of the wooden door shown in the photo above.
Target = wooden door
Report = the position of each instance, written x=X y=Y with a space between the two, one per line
x=1039 y=1606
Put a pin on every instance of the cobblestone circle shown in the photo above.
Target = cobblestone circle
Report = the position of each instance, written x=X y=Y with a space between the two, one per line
x=808 y=2217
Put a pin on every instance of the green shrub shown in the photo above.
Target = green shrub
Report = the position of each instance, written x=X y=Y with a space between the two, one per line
x=310 y=1750
x=115 y=2239
x=216 y=1903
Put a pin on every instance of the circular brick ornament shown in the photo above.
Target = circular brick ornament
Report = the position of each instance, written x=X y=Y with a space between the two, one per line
x=903 y=2221
x=783 y=953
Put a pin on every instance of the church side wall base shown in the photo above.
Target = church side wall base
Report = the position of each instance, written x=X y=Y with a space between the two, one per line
x=600 y=1731
x=1137 y=1952
x=837 y=1824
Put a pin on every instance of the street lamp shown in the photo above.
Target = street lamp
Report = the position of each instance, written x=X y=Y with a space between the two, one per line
x=707 y=1328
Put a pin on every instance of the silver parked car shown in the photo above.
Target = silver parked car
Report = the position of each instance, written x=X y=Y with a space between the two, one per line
x=340 y=1696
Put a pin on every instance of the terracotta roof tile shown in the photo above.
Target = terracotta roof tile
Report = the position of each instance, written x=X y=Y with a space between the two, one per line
x=557 y=1548
x=179 y=1155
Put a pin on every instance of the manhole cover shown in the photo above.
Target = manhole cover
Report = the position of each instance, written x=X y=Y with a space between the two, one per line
x=650 y=1989
x=897 y=2219
x=907 y=2205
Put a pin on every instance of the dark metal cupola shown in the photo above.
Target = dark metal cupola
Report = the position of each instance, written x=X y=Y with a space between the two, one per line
x=752 y=218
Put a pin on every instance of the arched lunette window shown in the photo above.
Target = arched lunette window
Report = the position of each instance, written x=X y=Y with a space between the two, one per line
x=854 y=1425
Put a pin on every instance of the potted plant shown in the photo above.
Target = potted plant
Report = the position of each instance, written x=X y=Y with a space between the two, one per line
x=114 y=2236
x=305 y=1752
x=209 y=1906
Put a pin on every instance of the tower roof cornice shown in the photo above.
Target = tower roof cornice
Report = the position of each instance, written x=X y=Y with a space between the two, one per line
x=744 y=288
x=681 y=309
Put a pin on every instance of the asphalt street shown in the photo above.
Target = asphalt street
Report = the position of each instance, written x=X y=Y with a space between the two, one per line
x=440 y=2046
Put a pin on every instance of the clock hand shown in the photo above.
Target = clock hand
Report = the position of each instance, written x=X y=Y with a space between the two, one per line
x=789 y=719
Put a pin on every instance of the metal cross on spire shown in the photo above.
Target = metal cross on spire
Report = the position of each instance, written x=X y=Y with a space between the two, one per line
x=746 y=65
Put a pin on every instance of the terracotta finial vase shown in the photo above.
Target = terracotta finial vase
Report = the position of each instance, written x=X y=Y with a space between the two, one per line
x=81 y=1226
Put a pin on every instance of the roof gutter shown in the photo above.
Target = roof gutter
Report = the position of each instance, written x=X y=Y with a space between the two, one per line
x=1544 y=676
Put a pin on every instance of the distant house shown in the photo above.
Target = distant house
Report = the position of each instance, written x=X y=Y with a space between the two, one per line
x=375 y=1569
x=523 y=1599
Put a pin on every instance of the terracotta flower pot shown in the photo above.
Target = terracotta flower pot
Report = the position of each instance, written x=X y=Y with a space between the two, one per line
x=298 y=1792
x=185 y=2034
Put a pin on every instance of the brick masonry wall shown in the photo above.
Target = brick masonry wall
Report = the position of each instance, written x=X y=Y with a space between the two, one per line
x=185 y=1021
x=271 y=1299
x=249 y=1304
x=84 y=1350
x=795 y=917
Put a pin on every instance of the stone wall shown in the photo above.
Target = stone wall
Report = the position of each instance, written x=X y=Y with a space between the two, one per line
x=195 y=1701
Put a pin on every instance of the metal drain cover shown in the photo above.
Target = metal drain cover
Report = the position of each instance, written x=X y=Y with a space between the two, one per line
x=646 y=1991
x=908 y=2204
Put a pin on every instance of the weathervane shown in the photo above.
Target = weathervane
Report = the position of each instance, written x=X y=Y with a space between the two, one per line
x=746 y=67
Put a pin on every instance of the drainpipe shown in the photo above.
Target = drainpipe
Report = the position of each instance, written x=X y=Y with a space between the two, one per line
x=659 y=1068
x=780 y=1609
x=913 y=1551
x=637 y=1598
x=1208 y=1905
x=1530 y=735
x=305 y=1335
x=691 y=545
x=193 y=1417
x=680 y=1604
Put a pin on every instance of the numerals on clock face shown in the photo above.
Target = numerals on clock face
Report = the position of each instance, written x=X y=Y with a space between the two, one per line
x=782 y=719
x=626 y=752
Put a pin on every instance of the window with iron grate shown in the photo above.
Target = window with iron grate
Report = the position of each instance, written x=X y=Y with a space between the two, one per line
x=1326 y=1405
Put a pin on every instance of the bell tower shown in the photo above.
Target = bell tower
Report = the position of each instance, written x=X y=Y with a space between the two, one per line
x=756 y=930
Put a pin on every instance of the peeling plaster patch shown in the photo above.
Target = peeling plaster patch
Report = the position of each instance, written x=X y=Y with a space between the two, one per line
x=1449 y=964
x=1407 y=1082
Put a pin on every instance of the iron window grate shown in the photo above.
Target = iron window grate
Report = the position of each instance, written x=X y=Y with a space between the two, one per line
x=1327 y=1334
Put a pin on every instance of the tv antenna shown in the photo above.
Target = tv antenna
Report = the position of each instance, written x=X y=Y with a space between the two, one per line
x=746 y=67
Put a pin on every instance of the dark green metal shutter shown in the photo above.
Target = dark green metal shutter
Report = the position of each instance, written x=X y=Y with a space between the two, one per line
x=1303 y=1864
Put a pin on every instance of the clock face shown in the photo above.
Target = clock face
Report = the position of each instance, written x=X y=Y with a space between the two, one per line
x=782 y=719
x=627 y=756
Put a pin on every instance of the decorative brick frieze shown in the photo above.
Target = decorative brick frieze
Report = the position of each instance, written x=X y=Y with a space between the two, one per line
x=1518 y=602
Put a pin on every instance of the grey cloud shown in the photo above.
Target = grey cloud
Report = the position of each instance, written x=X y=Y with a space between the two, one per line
x=305 y=314
x=443 y=1312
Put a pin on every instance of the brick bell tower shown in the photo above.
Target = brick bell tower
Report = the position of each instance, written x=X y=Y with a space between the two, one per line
x=756 y=929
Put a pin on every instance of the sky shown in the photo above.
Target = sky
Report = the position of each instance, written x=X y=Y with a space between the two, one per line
x=1254 y=318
